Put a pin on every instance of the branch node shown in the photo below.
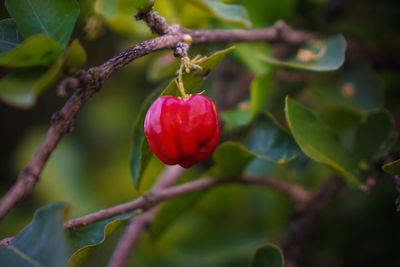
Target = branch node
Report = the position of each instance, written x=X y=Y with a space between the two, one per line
x=175 y=28
x=280 y=26
x=95 y=78
x=28 y=172
x=149 y=200
x=181 y=49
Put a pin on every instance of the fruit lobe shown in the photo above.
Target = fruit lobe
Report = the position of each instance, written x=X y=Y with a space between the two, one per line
x=182 y=131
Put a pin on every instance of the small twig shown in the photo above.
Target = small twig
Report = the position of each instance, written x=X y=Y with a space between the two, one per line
x=139 y=223
x=305 y=218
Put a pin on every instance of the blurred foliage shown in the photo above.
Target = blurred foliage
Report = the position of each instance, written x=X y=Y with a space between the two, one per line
x=357 y=106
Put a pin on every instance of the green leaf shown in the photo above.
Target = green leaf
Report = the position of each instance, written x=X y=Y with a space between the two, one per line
x=234 y=14
x=392 y=168
x=231 y=158
x=84 y=240
x=140 y=150
x=41 y=243
x=111 y=8
x=254 y=63
x=318 y=142
x=358 y=89
x=37 y=50
x=260 y=90
x=340 y=118
x=318 y=56
x=54 y=18
x=239 y=116
x=75 y=57
x=141 y=153
x=269 y=255
x=21 y=88
x=375 y=135
x=194 y=79
x=361 y=88
x=267 y=140
x=10 y=37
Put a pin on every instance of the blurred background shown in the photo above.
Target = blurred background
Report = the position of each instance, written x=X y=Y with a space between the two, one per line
x=90 y=167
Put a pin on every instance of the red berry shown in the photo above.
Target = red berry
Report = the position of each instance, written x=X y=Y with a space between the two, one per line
x=182 y=131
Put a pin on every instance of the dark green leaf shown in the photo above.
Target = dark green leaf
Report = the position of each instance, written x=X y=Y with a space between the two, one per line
x=10 y=36
x=357 y=89
x=140 y=151
x=234 y=14
x=318 y=142
x=361 y=88
x=194 y=79
x=41 y=243
x=267 y=140
x=37 y=50
x=260 y=90
x=392 y=168
x=84 y=240
x=340 y=118
x=21 y=88
x=54 y=18
x=75 y=57
x=375 y=135
x=264 y=139
x=268 y=256
x=231 y=158
x=318 y=56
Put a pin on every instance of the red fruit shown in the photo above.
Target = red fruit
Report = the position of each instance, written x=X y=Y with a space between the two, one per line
x=182 y=131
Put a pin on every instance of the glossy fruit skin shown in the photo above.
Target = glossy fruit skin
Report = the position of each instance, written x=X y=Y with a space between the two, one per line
x=182 y=131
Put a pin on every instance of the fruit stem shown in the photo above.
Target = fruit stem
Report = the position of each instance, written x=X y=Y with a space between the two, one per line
x=181 y=88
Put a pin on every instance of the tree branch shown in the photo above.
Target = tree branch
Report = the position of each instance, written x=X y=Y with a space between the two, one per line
x=296 y=192
x=92 y=80
x=138 y=223
x=304 y=219
x=152 y=199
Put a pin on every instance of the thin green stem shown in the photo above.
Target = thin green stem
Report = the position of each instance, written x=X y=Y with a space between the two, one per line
x=181 y=88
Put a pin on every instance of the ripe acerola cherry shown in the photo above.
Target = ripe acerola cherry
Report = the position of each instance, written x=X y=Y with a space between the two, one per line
x=182 y=131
